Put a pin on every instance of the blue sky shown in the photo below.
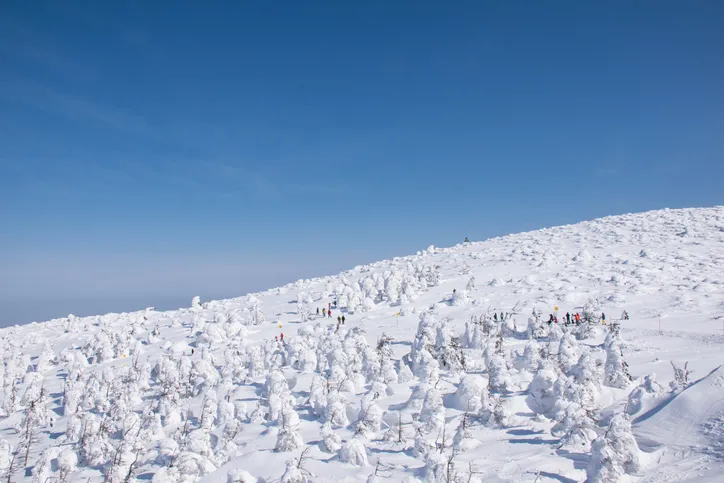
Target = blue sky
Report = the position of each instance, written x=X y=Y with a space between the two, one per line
x=151 y=153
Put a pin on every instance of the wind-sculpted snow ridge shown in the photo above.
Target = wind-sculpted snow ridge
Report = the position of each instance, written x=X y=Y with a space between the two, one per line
x=445 y=369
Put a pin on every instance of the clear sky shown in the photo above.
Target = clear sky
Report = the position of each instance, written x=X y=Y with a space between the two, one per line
x=152 y=151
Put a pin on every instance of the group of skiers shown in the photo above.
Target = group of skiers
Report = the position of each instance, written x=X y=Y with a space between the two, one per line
x=327 y=311
x=572 y=319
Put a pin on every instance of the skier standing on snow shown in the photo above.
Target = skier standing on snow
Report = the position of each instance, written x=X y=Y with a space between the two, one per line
x=343 y=320
x=339 y=319
x=568 y=318
x=317 y=311
x=550 y=319
x=603 y=318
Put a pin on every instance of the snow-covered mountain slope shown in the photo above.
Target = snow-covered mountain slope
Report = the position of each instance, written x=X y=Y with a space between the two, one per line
x=423 y=381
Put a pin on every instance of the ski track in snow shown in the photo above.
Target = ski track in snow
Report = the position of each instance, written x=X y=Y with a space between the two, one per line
x=663 y=267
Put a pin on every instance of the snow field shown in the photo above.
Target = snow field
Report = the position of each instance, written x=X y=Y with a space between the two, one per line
x=425 y=381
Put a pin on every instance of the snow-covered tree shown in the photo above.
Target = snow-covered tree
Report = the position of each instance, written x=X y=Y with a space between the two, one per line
x=196 y=303
x=498 y=373
x=568 y=353
x=331 y=442
x=67 y=464
x=237 y=475
x=459 y=298
x=530 y=359
x=614 y=454
x=463 y=439
x=681 y=377
x=432 y=414
x=208 y=411
x=370 y=416
x=405 y=374
x=648 y=388
x=535 y=328
x=469 y=393
x=541 y=396
x=493 y=411
x=616 y=372
x=292 y=474
x=393 y=289
x=354 y=452
x=471 y=284
x=289 y=438
x=576 y=428
x=255 y=306
x=335 y=411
